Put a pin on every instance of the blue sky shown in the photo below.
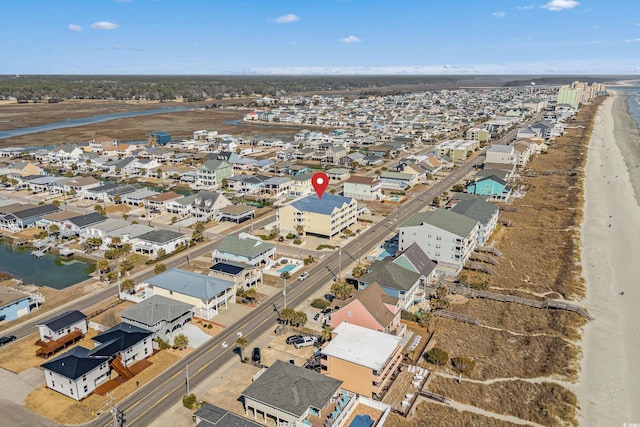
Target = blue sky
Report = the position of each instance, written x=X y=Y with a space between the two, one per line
x=319 y=36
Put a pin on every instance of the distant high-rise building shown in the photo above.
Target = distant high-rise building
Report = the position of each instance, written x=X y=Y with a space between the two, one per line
x=578 y=93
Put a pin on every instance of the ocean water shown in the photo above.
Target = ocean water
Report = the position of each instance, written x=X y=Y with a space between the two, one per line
x=633 y=102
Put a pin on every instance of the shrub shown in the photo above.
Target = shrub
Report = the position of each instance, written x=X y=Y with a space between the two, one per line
x=323 y=246
x=407 y=315
x=162 y=344
x=320 y=303
x=308 y=260
x=463 y=364
x=189 y=401
x=479 y=286
x=297 y=242
x=265 y=237
x=437 y=356
x=290 y=236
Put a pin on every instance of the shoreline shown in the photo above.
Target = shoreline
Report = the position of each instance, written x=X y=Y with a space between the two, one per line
x=608 y=388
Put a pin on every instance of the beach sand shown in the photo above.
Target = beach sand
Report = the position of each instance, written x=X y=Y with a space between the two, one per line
x=609 y=386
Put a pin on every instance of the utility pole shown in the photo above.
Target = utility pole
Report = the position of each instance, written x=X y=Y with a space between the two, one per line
x=119 y=290
x=340 y=262
x=186 y=372
x=113 y=410
x=284 y=293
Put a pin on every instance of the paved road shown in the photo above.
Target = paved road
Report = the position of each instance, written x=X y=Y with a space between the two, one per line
x=152 y=399
x=29 y=326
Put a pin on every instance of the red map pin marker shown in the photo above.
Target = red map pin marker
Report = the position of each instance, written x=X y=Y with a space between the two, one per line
x=320 y=182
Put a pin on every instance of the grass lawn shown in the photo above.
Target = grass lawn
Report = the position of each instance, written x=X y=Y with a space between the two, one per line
x=21 y=355
x=64 y=410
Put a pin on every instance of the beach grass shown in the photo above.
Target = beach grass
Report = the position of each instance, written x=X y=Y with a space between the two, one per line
x=429 y=414
x=541 y=259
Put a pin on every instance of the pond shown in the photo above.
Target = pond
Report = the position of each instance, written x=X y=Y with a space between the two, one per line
x=49 y=270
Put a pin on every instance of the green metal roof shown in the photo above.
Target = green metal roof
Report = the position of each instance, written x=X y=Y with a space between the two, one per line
x=444 y=219
x=249 y=248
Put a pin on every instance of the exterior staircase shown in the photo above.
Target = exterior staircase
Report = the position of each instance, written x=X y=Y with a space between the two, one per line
x=121 y=369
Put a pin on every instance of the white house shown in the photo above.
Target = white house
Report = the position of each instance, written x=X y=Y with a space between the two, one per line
x=504 y=154
x=62 y=325
x=152 y=242
x=446 y=237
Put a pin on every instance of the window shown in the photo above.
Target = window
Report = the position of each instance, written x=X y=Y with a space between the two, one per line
x=71 y=390
x=86 y=389
x=53 y=383
x=84 y=378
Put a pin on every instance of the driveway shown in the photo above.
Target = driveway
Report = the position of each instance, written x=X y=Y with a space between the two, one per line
x=195 y=335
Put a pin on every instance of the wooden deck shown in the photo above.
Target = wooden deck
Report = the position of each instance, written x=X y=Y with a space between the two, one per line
x=401 y=387
x=50 y=347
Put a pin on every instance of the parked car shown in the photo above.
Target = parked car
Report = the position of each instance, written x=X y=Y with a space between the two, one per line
x=255 y=356
x=7 y=339
x=329 y=297
x=303 y=276
x=305 y=342
x=293 y=338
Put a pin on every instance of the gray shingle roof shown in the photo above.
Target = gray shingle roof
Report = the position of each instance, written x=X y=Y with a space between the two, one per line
x=155 y=309
x=188 y=283
x=444 y=219
x=89 y=219
x=74 y=363
x=477 y=209
x=292 y=389
x=249 y=248
x=213 y=416
x=65 y=319
x=420 y=261
x=161 y=236
x=390 y=275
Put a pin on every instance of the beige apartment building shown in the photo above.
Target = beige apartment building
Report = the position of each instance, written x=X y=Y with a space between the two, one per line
x=363 y=359
x=324 y=217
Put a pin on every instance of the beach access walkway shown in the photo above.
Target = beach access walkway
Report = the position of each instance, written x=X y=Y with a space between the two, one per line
x=542 y=304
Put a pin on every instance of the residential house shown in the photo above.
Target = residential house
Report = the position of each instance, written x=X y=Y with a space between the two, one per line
x=209 y=415
x=286 y=393
x=523 y=151
x=22 y=218
x=300 y=185
x=371 y=308
x=277 y=186
x=76 y=373
x=13 y=304
x=207 y=294
x=125 y=342
x=102 y=143
x=243 y=249
x=204 y=206
x=482 y=211
x=398 y=180
x=363 y=359
x=446 y=237
x=137 y=197
x=338 y=174
x=403 y=276
x=502 y=154
x=363 y=188
x=335 y=154
x=158 y=202
x=162 y=316
x=73 y=226
x=212 y=172
x=153 y=242
x=26 y=169
x=352 y=159
x=242 y=275
x=491 y=186
x=544 y=128
x=324 y=217
x=478 y=134
x=63 y=324
x=76 y=185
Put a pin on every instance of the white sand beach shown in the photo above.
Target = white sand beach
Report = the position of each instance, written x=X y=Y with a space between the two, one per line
x=609 y=386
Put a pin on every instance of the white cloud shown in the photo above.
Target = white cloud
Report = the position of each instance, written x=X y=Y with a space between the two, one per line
x=499 y=14
x=632 y=40
x=74 y=27
x=351 y=39
x=104 y=25
x=556 y=5
x=528 y=7
x=286 y=19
